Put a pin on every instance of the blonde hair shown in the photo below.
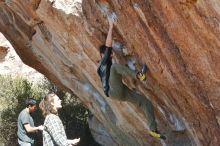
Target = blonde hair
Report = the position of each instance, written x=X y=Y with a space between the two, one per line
x=46 y=105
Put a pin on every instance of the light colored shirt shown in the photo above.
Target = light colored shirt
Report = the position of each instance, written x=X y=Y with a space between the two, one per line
x=25 y=118
x=54 y=133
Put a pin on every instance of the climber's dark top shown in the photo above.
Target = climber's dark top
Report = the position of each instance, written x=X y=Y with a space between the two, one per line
x=103 y=69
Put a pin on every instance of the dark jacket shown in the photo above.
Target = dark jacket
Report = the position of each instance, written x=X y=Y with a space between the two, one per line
x=103 y=69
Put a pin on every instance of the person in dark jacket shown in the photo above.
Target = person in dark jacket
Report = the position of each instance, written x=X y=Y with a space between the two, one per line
x=111 y=78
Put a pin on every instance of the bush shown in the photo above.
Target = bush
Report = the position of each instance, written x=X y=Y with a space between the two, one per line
x=14 y=92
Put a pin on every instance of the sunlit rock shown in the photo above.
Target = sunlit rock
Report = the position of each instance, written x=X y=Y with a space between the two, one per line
x=179 y=40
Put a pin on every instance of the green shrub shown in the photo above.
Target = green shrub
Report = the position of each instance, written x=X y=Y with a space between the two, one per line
x=13 y=92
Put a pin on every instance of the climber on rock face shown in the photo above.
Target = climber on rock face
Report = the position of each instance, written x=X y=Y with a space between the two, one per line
x=111 y=78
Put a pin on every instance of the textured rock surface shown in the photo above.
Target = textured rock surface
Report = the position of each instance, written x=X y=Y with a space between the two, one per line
x=3 y=53
x=11 y=64
x=178 y=39
x=3 y=48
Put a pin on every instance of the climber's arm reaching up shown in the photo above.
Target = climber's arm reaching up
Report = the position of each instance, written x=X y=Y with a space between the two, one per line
x=108 y=42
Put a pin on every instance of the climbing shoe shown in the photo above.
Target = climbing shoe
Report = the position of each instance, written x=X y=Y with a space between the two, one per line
x=141 y=75
x=156 y=134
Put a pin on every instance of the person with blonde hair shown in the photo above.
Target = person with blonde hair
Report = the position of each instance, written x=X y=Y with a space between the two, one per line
x=54 y=133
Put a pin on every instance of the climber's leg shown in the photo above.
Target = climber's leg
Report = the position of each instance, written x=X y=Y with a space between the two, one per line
x=115 y=80
x=147 y=107
x=122 y=70
x=143 y=103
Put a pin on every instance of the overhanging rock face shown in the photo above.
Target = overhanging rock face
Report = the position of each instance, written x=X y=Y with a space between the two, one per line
x=179 y=40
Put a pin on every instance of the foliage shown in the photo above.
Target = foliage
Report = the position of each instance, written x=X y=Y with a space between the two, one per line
x=11 y=93
x=15 y=90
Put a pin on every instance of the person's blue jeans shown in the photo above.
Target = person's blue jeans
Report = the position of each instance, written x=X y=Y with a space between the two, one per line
x=22 y=143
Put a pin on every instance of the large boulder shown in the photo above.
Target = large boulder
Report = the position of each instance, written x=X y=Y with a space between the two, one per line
x=179 y=40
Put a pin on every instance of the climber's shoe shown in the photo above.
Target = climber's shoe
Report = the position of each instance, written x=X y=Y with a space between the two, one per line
x=141 y=75
x=156 y=134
